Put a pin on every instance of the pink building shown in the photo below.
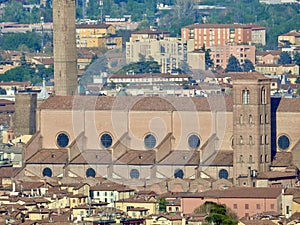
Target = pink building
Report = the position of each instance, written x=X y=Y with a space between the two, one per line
x=221 y=53
x=222 y=34
x=243 y=201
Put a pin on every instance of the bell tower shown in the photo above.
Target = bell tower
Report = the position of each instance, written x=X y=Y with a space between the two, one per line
x=64 y=40
x=251 y=127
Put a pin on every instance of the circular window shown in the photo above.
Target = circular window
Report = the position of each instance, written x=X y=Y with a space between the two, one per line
x=283 y=142
x=223 y=174
x=90 y=172
x=106 y=140
x=150 y=141
x=62 y=140
x=178 y=173
x=134 y=174
x=194 y=141
x=47 y=172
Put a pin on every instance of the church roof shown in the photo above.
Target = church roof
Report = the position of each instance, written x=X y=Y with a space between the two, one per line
x=218 y=103
x=289 y=105
x=53 y=156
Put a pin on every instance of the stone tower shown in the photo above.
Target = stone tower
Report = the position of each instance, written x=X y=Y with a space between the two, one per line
x=25 y=114
x=251 y=127
x=64 y=40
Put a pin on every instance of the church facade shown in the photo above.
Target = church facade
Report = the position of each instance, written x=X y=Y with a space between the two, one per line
x=144 y=140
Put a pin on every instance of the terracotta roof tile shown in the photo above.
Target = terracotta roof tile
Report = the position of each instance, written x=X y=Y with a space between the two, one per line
x=181 y=158
x=282 y=159
x=54 y=156
x=136 y=157
x=276 y=175
x=289 y=105
x=216 y=102
x=93 y=156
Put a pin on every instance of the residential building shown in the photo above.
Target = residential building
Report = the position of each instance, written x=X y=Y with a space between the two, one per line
x=221 y=53
x=290 y=38
x=267 y=57
x=244 y=202
x=222 y=34
x=97 y=36
x=148 y=34
x=275 y=2
x=196 y=60
x=277 y=69
x=169 y=52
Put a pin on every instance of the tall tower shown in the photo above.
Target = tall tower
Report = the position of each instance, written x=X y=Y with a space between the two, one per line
x=64 y=39
x=251 y=127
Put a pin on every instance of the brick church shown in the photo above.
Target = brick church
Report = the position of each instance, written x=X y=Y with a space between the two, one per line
x=243 y=139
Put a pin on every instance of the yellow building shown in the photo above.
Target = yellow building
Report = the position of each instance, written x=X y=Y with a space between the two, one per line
x=149 y=203
x=292 y=37
x=97 y=36
x=277 y=69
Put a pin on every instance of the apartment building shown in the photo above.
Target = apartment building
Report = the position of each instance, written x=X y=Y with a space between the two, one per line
x=277 y=69
x=221 y=53
x=169 y=52
x=222 y=34
x=97 y=36
x=149 y=34
x=290 y=38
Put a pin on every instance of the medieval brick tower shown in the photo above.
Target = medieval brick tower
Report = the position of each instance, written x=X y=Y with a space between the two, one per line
x=251 y=127
x=64 y=40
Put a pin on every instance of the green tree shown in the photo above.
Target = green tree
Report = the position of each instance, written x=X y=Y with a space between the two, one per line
x=208 y=61
x=297 y=58
x=248 y=66
x=162 y=205
x=285 y=58
x=217 y=214
x=233 y=65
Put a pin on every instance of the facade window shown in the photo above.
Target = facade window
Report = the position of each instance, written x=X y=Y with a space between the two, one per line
x=179 y=173
x=47 y=172
x=62 y=140
x=261 y=158
x=194 y=141
x=241 y=140
x=241 y=158
x=150 y=141
x=246 y=97
x=266 y=118
x=235 y=206
x=134 y=174
x=90 y=172
x=257 y=206
x=263 y=96
x=272 y=206
x=283 y=142
x=250 y=140
x=250 y=119
x=246 y=206
x=266 y=140
x=106 y=140
x=250 y=159
x=223 y=174
x=261 y=119
x=241 y=119
x=262 y=139
x=266 y=158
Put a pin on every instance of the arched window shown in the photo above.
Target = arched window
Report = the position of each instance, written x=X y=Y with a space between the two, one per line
x=241 y=140
x=47 y=172
x=250 y=140
x=266 y=158
x=106 y=140
x=223 y=174
x=150 y=141
x=263 y=96
x=90 y=172
x=134 y=174
x=266 y=118
x=261 y=119
x=246 y=97
x=250 y=119
x=179 y=173
x=261 y=158
x=241 y=119
x=250 y=159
